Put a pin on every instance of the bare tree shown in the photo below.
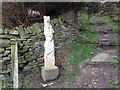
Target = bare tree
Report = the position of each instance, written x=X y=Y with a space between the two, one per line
x=16 y=13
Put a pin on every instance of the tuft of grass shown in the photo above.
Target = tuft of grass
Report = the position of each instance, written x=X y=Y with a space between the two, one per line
x=77 y=53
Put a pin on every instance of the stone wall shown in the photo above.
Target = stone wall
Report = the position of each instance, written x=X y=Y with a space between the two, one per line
x=31 y=42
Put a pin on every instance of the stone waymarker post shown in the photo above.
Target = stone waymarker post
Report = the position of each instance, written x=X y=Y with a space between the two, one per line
x=49 y=70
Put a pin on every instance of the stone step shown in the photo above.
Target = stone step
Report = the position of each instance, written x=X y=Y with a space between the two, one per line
x=104 y=29
x=97 y=22
x=102 y=57
x=105 y=40
x=108 y=35
x=108 y=44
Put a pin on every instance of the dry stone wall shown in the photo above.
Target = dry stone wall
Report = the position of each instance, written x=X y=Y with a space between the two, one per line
x=31 y=43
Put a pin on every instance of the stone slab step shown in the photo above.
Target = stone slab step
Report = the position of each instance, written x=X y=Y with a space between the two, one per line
x=102 y=57
x=105 y=40
x=108 y=44
x=104 y=29
x=97 y=22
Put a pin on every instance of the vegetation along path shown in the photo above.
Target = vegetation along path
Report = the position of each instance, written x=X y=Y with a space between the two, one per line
x=99 y=70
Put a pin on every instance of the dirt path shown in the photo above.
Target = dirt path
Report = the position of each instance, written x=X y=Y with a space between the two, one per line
x=98 y=72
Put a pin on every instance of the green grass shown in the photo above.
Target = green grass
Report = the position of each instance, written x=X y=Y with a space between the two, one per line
x=90 y=35
x=116 y=61
x=115 y=26
x=77 y=53
x=113 y=84
x=84 y=20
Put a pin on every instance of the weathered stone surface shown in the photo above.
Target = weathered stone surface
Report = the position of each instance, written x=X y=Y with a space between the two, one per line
x=7 y=36
x=6 y=31
x=7 y=51
x=49 y=74
x=6 y=58
x=2 y=50
x=3 y=55
x=1 y=30
x=28 y=54
x=104 y=29
x=13 y=32
x=33 y=37
x=4 y=43
x=8 y=48
x=31 y=58
x=21 y=60
x=5 y=71
x=27 y=36
x=101 y=57
x=21 y=32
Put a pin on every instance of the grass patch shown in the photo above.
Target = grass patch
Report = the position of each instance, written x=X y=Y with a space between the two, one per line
x=115 y=26
x=84 y=20
x=77 y=53
x=113 y=84
x=90 y=35
x=116 y=61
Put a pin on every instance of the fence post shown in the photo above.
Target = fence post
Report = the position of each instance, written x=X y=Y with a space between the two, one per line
x=14 y=58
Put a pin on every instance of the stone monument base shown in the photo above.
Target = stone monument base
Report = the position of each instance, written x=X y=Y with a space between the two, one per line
x=49 y=73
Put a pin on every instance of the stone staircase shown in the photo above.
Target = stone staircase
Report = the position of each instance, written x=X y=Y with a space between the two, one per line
x=99 y=72
x=107 y=36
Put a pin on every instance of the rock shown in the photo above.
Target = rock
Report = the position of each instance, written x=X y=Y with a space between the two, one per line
x=6 y=58
x=26 y=48
x=22 y=62
x=6 y=31
x=3 y=55
x=9 y=55
x=22 y=32
x=33 y=37
x=31 y=58
x=8 y=48
x=21 y=45
x=13 y=32
x=5 y=71
x=29 y=30
x=26 y=42
x=4 y=42
x=28 y=54
x=1 y=30
x=97 y=22
x=2 y=50
x=101 y=57
x=7 y=51
x=7 y=36
x=27 y=36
